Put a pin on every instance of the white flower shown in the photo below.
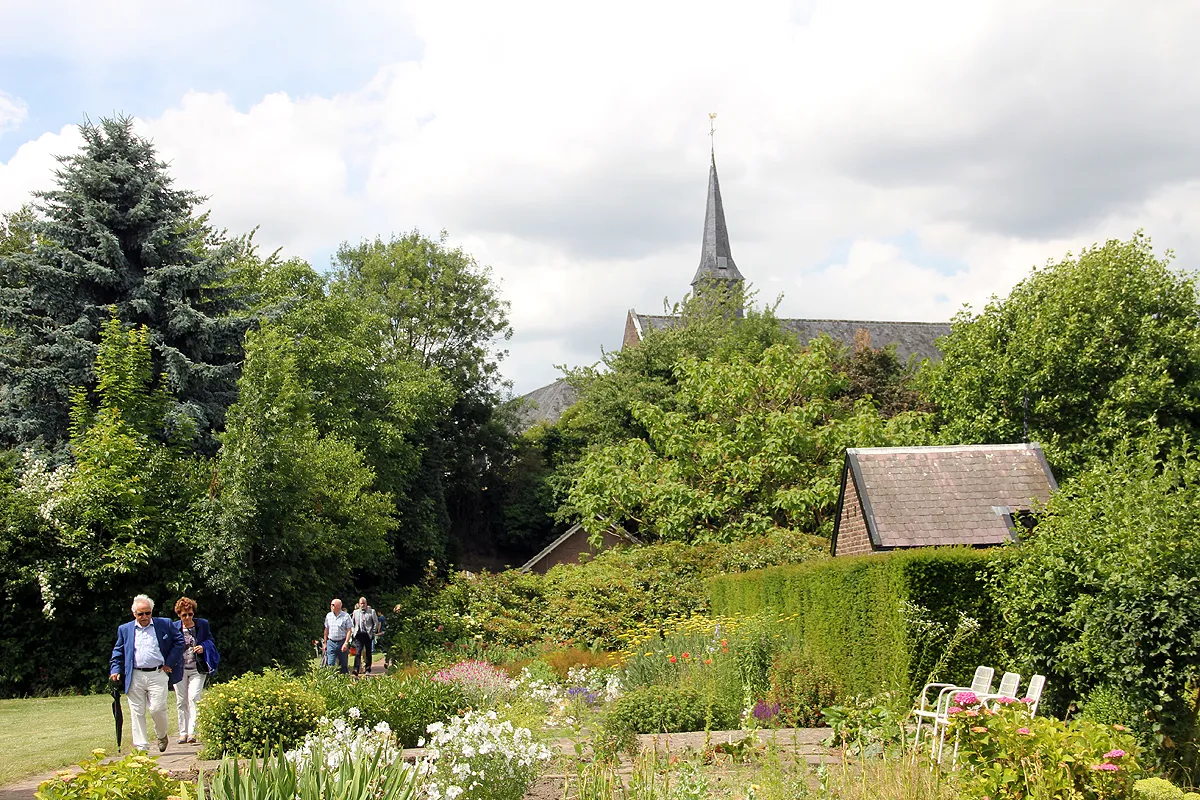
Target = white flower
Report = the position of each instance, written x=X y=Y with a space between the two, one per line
x=354 y=713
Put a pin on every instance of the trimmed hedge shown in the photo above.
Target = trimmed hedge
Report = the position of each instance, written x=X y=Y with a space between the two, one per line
x=851 y=614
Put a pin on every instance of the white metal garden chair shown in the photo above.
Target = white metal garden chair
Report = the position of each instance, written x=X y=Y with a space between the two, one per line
x=1033 y=693
x=934 y=710
x=1009 y=683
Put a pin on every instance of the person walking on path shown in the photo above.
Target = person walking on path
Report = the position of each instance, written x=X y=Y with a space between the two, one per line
x=366 y=624
x=336 y=639
x=200 y=659
x=149 y=656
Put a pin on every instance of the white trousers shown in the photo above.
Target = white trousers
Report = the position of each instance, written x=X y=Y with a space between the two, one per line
x=148 y=692
x=187 y=693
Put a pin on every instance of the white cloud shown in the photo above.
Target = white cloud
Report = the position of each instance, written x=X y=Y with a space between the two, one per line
x=12 y=111
x=877 y=159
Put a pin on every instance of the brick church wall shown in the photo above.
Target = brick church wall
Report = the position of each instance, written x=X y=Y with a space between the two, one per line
x=852 y=538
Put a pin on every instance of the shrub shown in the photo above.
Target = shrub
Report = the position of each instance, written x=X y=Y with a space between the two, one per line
x=1156 y=789
x=870 y=726
x=134 y=776
x=855 y=614
x=1118 y=543
x=801 y=690
x=1009 y=756
x=255 y=712
x=665 y=709
x=407 y=704
x=480 y=757
x=1109 y=705
x=561 y=661
x=480 y=681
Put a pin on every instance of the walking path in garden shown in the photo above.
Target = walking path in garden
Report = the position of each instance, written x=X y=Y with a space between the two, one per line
x=804 y=743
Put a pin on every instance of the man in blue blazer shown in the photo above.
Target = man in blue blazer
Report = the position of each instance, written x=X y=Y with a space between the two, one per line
x=149 y=655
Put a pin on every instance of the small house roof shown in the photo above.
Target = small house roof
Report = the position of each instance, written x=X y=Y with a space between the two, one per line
x=960 y=494
x=546 y=404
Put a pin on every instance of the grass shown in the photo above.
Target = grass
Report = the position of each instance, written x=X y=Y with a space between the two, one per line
x=43 y=734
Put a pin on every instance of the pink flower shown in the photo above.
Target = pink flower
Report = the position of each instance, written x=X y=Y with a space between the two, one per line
x=1024 y=731
x=965 y=699
x=971 y=713
x=954 y=710
x=978 y=729
x=1005 y=700
x=1105 y=767
x=1028 y=700
x=1114 y=754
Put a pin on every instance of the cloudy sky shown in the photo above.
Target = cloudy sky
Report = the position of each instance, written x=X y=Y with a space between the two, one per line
x=878 y=160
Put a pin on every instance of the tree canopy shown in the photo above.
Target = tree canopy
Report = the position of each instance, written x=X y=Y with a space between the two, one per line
x=115 y=233
x=1104 y=345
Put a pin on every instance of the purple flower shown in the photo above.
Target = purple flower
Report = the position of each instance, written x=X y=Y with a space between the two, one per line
x=965 y=699
x=1114 y=754
x=765 y=712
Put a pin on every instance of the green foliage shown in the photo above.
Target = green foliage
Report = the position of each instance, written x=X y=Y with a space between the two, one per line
x=1106 y=345
x=594 y=604
x=668 y=709
x=748 y=445
x=292 y=512
x=1007 y=755
x=802 y=689
x=1118 y=543
x=848 y=614
x=407 y=704
x=436 y=307
x=1107 y=704
x=356 y=777
x=115 y=233
x=868 y=725
x=1156 y=789
x=134 y=776
x=256 y=712
x=83 y=538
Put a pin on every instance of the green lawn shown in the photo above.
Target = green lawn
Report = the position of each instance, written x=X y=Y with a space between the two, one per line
x=43 y=734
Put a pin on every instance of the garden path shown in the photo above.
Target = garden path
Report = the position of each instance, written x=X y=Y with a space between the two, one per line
x=804 y=743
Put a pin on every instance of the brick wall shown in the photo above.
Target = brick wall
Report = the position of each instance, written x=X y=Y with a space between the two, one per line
x=852 y=537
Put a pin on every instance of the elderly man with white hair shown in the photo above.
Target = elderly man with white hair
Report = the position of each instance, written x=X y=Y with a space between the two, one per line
x=149 y=655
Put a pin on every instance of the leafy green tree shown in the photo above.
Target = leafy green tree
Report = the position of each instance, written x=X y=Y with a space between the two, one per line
x=439 y=308
x=292 y=513
x=1102 y=594
x=747 y=445
x=1104 y=345
x=113 y=523
x=114 y=232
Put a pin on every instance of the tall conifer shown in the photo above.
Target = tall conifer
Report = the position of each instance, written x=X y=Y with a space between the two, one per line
x=114 y=233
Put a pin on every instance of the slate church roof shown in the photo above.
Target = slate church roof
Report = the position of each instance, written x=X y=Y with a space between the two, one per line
x=717 y=266
x=955 y=495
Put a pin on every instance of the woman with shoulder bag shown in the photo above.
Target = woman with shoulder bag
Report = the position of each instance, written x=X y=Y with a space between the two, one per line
x=200 y=659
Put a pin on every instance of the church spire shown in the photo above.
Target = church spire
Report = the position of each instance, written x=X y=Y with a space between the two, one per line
x=716 y=262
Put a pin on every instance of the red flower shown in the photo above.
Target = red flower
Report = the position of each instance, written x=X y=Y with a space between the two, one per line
x=671 y=659
x=686 y=654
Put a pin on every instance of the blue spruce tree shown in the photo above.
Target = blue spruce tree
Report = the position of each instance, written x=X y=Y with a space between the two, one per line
x=115 y=233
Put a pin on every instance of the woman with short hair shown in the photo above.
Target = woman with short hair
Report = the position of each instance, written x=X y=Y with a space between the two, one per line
x=200 y=659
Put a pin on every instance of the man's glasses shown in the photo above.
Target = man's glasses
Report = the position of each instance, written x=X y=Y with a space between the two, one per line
x=142 y=613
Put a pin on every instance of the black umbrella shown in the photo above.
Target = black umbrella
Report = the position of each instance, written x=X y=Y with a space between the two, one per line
x=118 y=717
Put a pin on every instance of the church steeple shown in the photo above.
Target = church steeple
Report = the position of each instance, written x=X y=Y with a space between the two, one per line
x=716 y=262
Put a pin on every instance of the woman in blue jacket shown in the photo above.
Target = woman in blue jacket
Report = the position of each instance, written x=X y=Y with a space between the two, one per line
x=200 y=659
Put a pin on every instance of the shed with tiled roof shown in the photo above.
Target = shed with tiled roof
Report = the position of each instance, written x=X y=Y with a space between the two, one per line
x=900 y=497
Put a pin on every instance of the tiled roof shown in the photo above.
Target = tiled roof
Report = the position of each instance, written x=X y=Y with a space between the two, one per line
x=909 y=337
x=963 y=494
x=546 y=404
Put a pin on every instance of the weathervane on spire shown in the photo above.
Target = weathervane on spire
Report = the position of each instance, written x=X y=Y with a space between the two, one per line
x=712 y=129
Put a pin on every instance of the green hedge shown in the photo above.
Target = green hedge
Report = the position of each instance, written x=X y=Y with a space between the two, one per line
x=852 y=615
